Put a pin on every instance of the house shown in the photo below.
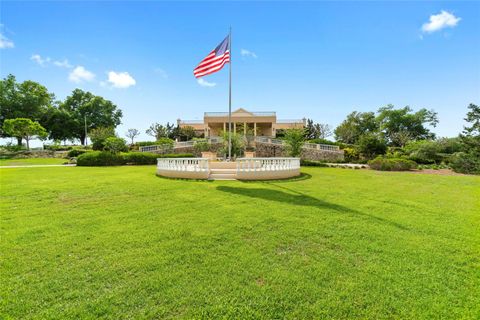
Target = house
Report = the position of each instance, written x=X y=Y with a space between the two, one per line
x=259 y=123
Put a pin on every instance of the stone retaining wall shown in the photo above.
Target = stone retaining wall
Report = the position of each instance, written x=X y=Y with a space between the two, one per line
x=216 y=147
x=35 y=154
x=267 y=150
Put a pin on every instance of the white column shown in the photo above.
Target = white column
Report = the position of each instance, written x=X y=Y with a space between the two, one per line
x=255 y=129
x=244 y=128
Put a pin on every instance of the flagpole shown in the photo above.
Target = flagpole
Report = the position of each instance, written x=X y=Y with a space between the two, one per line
x=230 y=97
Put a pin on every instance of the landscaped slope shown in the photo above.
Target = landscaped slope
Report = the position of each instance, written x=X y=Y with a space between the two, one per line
x=119 y=242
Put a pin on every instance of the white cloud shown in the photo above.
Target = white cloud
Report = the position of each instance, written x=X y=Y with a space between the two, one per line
x=248 y=53
x=205 y=83
x=38 y=59
x=5 y=43
x=440 y=21
x=161 y=72
x=120 y=79
x=80 y=74
x=63 y=64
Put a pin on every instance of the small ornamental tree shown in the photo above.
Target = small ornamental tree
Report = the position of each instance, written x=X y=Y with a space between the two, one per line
x=132 y=134
x=294 y=138
x=99 y=135
x=25 y=129
x=237 y=144
x=115 y=144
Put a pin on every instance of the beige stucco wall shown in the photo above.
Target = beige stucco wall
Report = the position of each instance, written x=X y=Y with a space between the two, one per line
x=183 y=174
x=267 y=175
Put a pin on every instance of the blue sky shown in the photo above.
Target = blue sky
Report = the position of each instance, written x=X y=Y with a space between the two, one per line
x=320 y=60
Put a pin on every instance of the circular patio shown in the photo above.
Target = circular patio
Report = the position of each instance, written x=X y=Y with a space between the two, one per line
x=241 y=169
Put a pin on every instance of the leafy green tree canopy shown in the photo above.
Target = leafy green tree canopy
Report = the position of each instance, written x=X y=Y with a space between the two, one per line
x=402 y=125
x=24 y=128
x=356 y=124
x=28 y=99
x=98 y=112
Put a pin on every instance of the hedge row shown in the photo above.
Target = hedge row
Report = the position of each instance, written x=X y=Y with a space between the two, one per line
x=105 y=158
x=311 y=163
x=392 y=164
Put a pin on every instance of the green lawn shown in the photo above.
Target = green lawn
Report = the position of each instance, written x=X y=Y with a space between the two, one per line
x=31 y=161
x=121 y=243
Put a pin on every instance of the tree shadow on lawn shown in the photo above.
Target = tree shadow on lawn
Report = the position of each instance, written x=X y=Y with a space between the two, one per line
x=301 y=199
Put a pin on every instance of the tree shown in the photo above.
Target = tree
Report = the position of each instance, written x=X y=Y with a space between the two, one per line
x=469 y=161
x=157 y=131
x=237 y=143
x=356 y=125
x=25 y=129
x=187 y=133
x=310 y=130
x=97 y=111
x=471 y=134
x=402 y=125
x=322 y=131
x=371 y=145
x=59 y=124
x=132 y=134
x=99 y=136
x=115 y=144
x=294 y=139
x=28 y=99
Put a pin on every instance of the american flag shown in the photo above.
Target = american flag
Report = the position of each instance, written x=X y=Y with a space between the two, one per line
x=215 y=60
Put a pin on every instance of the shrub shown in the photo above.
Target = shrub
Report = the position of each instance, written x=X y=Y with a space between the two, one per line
x=322 y=141
x=350 y=154
x=294 y=139
x=466 y=162
x=145 y=143
x=115 y=144
x=106 y=158
x=165 y=142
x=370 y=145
x=10 y=147
x=141 y=158
x=76 y=152
x=99 y=135
x=100 y=158
x=56 y=147
x=391 y=164
x=310 y=163
x=201 y=146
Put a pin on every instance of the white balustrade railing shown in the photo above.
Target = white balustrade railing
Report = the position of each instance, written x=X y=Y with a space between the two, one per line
x=183 y=164
x=317 y=146
x=306 y=145
x=154 y=148
x=267 y=164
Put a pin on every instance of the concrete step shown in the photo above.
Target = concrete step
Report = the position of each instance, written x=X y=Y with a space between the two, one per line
x=222 y=165
x=221 y=176
x=223 y=171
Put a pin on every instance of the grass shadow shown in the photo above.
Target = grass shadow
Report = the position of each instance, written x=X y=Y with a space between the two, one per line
x=301 y=177
x=294 y=197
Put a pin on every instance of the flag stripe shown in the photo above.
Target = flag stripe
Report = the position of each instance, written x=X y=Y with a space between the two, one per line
x=212 y=63
x=212 y=70
x=215 y=60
